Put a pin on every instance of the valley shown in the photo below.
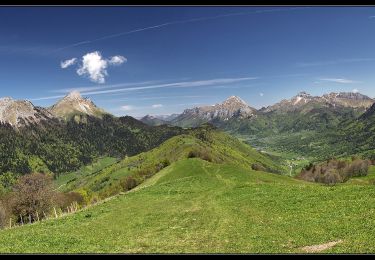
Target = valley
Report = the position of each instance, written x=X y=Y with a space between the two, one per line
x=179 y=129
x=225 y=178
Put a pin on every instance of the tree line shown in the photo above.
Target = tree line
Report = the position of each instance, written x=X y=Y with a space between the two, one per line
x=335 y=171
x=58 y=147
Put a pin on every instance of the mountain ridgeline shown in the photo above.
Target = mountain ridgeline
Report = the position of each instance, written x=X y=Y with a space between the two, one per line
x=74 y=131
x=68 y=135
x=334 y=124
x=300 y=112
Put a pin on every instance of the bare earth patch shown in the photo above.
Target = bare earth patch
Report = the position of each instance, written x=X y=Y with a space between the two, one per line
x=321 y=247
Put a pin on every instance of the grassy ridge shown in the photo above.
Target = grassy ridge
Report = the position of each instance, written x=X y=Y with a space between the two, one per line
x=215 y=145
x=197 y=206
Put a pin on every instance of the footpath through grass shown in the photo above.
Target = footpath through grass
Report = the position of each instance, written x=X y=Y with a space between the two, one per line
x=196 y=206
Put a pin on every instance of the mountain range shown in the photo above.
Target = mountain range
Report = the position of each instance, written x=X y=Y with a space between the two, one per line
x=19 y=113
x=69 y=134
x=302 y=111
x=319 y=127
x=74 y=130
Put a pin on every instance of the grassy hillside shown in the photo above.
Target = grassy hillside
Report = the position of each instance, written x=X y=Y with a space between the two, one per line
x=197 y=206
x=204 y=142
x=87 y=170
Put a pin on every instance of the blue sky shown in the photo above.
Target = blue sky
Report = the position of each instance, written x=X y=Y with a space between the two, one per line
x=161 y=60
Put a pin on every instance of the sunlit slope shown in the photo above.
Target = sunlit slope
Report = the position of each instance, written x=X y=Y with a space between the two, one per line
x=205 y=143
x=197 y=206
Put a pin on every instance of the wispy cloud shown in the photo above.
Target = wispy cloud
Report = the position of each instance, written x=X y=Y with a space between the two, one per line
x=127 y=108
x=332 y=62
x=153 y=98
x=96 y=87
x=199 y=19
x=117 y=60
x=47 y=98
x=67 y=63
x=184 y=84
x=372 y=17
x=157 y=106
x=340 y=80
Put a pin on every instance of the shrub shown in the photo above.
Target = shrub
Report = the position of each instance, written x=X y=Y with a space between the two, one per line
x=335 y=171
x=309 y=166
x=203 y=154
x=146 y=172
x=85 y=194
x=64 y=200
x=165 y=163
x=258 y=167
x=192 y=154
x=128 y=183
x=32 y=193
x=331 y=177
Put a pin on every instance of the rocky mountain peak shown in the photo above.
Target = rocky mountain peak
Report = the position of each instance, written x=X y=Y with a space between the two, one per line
x=74 y=95
x=301 y=98
x=232 y=107
x=74 y=104
x=348 y=95
x=4 y=100
x=234 y=99
x=18 y=113
x=303 y=94
x=348 y=99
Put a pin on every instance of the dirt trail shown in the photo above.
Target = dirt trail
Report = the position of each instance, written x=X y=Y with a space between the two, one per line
x=321 y=247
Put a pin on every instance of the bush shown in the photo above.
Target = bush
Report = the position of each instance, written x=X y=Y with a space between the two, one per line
x=86 y=195
x=129 y=183
x=203 y=154
x=359 y=167
x=31 y=194
x=309 y=166
x=64 y=200
x=146 y=172
x=258 y=167
x=335 y=171
x=331 y=177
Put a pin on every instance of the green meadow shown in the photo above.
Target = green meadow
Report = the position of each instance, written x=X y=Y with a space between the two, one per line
x=195 y=206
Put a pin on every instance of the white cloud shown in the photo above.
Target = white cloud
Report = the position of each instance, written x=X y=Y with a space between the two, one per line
x=340 y=80
x=127 y=108
x=157 y=106
x=117 y=60
x=94 y=66
x=355 y=90
x=261 y=94
x=68 y=63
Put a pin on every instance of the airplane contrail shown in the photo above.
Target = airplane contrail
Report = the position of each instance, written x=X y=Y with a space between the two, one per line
x=173 y=23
